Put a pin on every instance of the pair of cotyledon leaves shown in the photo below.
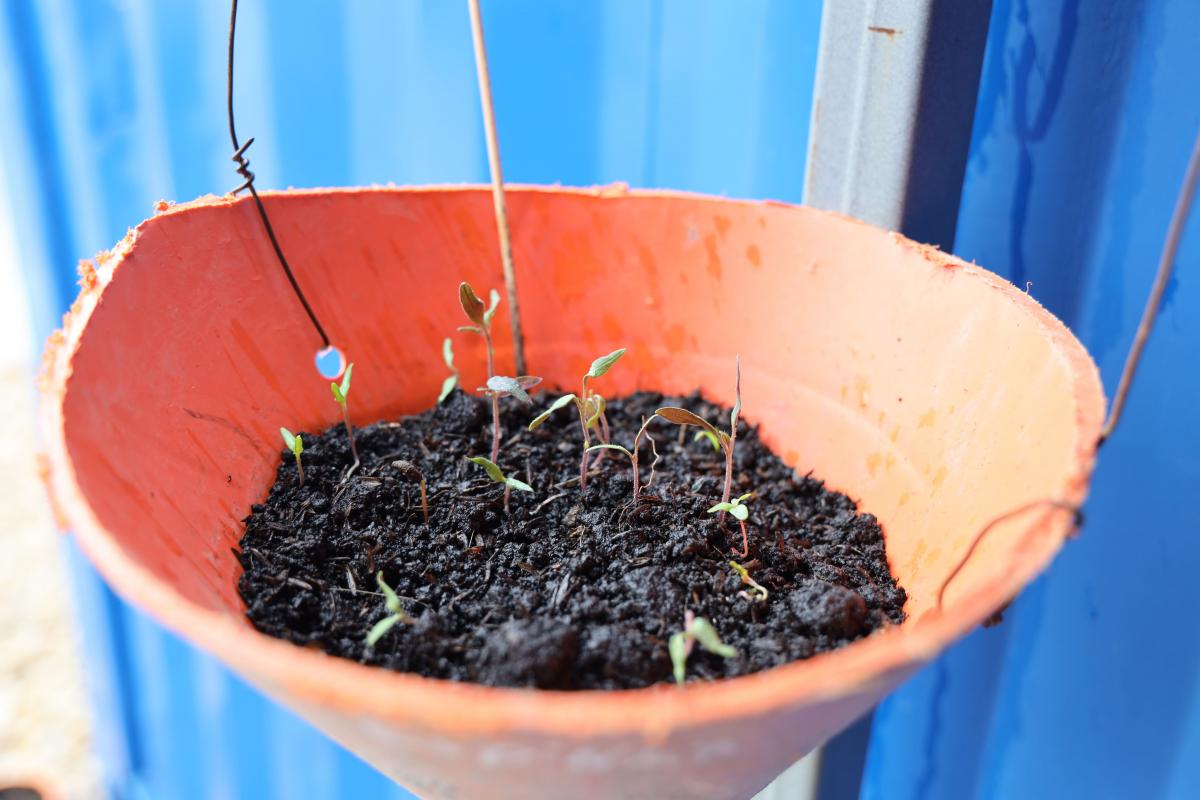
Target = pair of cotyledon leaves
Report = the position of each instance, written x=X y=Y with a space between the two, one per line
x=591 y=407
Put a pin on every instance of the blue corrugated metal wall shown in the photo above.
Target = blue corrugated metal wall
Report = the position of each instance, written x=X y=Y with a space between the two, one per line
x=109 y=105
x=1086 y=116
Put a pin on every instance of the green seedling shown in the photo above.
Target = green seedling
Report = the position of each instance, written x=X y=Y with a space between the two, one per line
x=499 y=386
x=409 y=470
x=633 y=456
x=681 y=416
x=296 y=445
x=396 y=613
x=452 y=379
x=710 y=437
x=758 y=593
x=495 y=473
x=737 y=507
x=695 y=630
x=590 y=406
x=340 y=394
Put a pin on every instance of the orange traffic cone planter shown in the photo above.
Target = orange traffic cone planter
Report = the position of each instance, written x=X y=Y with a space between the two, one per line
x=930 y=389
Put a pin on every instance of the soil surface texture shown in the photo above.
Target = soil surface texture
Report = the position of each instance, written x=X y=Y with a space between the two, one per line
x=563 y=591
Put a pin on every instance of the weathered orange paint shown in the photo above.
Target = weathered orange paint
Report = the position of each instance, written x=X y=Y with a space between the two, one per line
x=187 y=351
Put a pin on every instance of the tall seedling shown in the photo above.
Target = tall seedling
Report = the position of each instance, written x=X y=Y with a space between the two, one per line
x=681 y=416
x=590 y=407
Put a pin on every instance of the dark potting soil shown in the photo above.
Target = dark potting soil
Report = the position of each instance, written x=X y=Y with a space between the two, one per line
x=564 y=591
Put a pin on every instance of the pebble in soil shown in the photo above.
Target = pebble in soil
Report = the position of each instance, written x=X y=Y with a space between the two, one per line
x=564 y=591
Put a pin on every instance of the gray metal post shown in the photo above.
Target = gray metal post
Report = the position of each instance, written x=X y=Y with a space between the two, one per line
x=892 y=111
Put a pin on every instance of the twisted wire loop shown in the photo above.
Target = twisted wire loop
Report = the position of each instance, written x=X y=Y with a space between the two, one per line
x=243 y=169
x=1077 y=521
x=243 y=166
x=1162 y=275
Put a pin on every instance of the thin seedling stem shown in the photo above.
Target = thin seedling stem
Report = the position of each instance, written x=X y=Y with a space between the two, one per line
x=495 y=428
x=745 y=542
x=350 y=433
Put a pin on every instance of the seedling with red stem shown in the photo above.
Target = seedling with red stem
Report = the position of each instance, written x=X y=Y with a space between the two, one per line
x=495 y=473
x=409 y=470
x=590 y=406
x=695 y=630
x=758 y=593
x=340 y=394
x=633 y=456
x=681 y=416
x=516 y=388
x=737 y=507
x=296 y=445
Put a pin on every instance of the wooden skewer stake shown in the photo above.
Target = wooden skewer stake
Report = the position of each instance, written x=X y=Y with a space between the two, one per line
x=493 y=152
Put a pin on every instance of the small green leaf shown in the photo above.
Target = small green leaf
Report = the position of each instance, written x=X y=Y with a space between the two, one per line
x=745 y=497
x=520 y=486
x=721 y=507
x=740 y=570
x=299 y=448
x=739 y=511
x=345 y=387
x=710 y=436
x=380 y=628
x=677 y=646
x=710 y=640
x=390 y=599
x=470 y=329
x=288 y=439
x=610 y=447
x=495 y=301
x=555 y=406
x=448 y=353
x=472 y=306
x=491 y=469
x=447 y=387
x=337 y=393
x=501 y=384
x=604 y=363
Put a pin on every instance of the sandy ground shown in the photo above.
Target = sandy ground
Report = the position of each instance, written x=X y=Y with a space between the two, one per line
x=45 y=728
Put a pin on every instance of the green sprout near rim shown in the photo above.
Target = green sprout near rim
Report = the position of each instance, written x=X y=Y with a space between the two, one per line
x=760 y=593
x=296 y=445
x=681 y=416
x=737 y=508
x=452 y=379
x=590 y=406
x=340 y=393
x=396 y=612
x=517 y=388
x=495 y=473
x=695 y=630
x=633 y=456
x=482 y=315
